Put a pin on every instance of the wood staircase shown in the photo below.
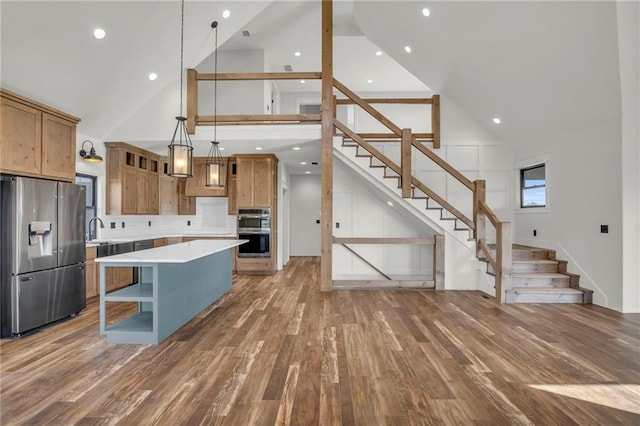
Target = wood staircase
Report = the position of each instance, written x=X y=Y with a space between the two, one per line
x=538 y=277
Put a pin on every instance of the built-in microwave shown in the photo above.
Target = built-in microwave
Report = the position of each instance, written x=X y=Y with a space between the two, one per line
x=254 y=219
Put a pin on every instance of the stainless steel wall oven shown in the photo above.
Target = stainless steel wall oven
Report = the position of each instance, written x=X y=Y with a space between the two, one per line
x=254 y=225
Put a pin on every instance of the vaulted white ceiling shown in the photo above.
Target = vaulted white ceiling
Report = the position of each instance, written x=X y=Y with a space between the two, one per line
x=537 y=65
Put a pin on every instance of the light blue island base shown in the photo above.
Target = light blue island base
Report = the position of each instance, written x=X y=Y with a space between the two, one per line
x=169 y=294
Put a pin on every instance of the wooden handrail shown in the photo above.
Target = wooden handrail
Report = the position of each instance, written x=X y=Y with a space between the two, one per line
x=487 y=253
x=395 y=168
x=484 y=208
x=409 y=101
x=392 y=137
x=383 y=240
x=367 y=146
x=443 y=164
x=237 y=76
x=364 y=105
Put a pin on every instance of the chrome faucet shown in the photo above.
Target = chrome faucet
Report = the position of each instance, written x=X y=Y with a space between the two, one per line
x=94 y=219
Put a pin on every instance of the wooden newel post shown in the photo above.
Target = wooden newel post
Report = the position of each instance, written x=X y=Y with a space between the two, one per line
x=405 y=163
x=438 y=262
x=479 y=219
x=435 y=120
x=503 y=260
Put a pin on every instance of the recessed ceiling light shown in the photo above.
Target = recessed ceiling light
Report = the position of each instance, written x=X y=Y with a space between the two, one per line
x=296 y=148
x=379 y=53
x=369 y=81
x=226 y=14
x=297 y=53
x=303 y=163
x=390 y=203
x=258 y=148
x=153 y=76
x=99 y=33
x=307 y=172
x=426 y=12
x=302 y=81
x=496 y=120
x=407 y=49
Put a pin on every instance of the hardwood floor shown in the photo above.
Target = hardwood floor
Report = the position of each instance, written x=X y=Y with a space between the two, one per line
x=275 y=350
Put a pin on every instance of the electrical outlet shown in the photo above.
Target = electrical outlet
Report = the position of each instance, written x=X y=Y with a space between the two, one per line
x=535 y=233
x=188 y=223
x=337 y=225
x=604 y=229
x=317 y=220
x=113 y=225
x=122 y=224
x=149 y=223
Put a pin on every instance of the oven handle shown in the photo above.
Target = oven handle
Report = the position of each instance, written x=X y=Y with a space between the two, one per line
x=254 y=232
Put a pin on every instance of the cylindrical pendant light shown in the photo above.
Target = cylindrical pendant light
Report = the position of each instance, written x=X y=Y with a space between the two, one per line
x=216 y=172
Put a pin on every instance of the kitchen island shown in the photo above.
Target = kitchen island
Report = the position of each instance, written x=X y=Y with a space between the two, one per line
x=175 y=283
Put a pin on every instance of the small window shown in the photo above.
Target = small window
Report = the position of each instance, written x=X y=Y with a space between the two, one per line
x=533 y=188
x=91 y=202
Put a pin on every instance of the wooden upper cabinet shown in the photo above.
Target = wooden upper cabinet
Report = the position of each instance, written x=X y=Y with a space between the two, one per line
x=58 y=147
x=133 y=180
x=36 y=140
x=173 y=201
x=255 y=180
x=197 y=185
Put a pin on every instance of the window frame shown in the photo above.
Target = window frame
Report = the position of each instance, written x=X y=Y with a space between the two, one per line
x=522 y=187
x=92 y=210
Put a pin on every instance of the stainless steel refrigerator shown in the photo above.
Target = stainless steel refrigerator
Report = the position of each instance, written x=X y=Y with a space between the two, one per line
x=42 y=252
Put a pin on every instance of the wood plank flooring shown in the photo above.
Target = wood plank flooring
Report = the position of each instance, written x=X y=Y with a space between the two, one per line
x=276 y=350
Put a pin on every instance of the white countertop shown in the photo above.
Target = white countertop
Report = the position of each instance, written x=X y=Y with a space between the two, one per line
x=175 y=253
x=96 y=242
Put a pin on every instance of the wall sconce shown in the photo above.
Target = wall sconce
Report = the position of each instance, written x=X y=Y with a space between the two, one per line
x=91 y=157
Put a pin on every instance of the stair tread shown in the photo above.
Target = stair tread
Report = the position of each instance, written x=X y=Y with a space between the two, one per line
x=540 y=275
x=548 y=262
x=535 y=290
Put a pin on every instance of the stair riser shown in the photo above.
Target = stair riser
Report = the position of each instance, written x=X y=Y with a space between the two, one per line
x=539 y=282
x=523 y=268
x=514 y=297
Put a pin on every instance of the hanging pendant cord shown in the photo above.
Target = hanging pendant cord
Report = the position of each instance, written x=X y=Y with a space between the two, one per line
x=215 y=81
x=181 y=55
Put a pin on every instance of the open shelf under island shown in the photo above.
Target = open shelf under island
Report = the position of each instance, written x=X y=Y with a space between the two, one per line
x=175 y=283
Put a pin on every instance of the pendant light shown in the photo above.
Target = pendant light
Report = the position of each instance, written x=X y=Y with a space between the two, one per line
x=215 y=170
x=180 y=148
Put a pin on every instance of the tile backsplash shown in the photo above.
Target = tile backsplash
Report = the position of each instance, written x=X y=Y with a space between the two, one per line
x=211 y=218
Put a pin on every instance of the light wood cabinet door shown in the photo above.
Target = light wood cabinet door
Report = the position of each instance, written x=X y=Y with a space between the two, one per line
x=129 y=191
x=20 y=138
x=91 y=278
x=154 y=194
x=263 y=182
x=142 y=192
x=160 y=242
x=58 y=148
x=186 y=205
x=168 y=195
x=244 y=182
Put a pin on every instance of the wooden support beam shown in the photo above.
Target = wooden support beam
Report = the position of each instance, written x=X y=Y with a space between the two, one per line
x=237 y=76
x=435 y=121
x=326 y=180
x=366 y=261
x=192 y=100
x=503 y=260
x=405 y=163
x=207 y=120
x=438 y=262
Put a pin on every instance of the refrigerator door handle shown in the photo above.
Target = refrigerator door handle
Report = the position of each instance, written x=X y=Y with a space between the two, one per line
x=26 y=278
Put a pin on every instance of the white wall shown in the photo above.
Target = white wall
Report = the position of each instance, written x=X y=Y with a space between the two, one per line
x=234 y=97
x=305 y=194
x=362 y=211
x=629 y=48
x=284 y=231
